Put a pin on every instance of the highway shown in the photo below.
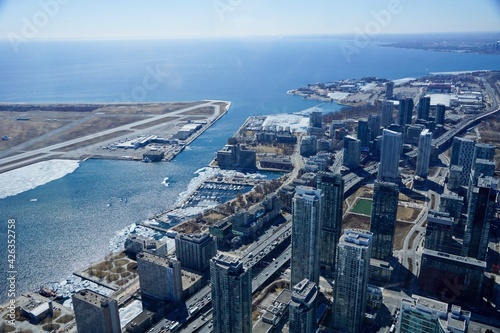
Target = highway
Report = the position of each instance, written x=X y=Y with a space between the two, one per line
x=266 y=243
x=355 y=178
x=201 y=302
x=410 y=255
x=272 y=268
x=444 y=139
x=337 y=163
x=467 y=122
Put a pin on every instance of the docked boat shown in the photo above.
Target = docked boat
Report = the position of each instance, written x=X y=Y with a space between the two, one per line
x=44 y=291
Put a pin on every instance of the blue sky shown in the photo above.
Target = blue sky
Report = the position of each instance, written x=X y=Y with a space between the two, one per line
x=215 y=18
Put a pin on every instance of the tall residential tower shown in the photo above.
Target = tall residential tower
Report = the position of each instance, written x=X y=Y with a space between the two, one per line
x=351 y=280
x=231 y=295
x=392 y=144
x=160 y=278
x=95 y=313
x=306 y=233
x=302 y=311
x=383 y=218
x=332 y=188
x=195 y=250
x=424 y=153
x=480 y=214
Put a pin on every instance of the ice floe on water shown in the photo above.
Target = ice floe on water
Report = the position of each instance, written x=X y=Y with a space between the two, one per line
x=185 y=212
x=31 y=176
x=73 y=284
x=165 y=182
x=116 y=244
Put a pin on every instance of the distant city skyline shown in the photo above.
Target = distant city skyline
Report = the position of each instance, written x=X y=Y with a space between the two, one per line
x=46 y=19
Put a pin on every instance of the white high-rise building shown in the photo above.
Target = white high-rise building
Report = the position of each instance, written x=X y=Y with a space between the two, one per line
x=390 y=152
x=424 y=153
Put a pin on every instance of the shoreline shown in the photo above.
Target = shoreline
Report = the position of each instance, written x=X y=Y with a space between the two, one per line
x=356 y=97
x=223 y=107
x=14 y=158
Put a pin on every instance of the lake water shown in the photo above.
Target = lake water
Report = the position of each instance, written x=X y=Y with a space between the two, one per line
x=74 y=217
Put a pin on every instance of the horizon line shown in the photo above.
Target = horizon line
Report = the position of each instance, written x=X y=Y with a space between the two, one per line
x=308 y=35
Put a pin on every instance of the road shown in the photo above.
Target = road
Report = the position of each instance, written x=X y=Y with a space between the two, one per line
x=298 y=162
x=410 y=255
x=470 y=120
x=355 y=178
x=337 y=163
x=272 y=268
x=200 y=303
x=392 y=301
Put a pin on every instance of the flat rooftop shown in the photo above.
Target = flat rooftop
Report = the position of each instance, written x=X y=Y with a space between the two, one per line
x=456 y=258
x=153 y=258
x=424 y=303
x=93 y=298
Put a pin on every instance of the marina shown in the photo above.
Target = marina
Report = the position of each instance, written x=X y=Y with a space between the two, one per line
x=218 y=192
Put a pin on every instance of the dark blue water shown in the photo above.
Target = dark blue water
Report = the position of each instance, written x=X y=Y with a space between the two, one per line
x=71 y=223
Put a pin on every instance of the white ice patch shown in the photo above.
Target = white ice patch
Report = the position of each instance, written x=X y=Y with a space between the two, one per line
x=31 y=176
x=296 y=122
x=338 y=95
x=402 y=81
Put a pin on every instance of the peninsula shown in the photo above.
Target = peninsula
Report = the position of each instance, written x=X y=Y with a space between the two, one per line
x=139 y=131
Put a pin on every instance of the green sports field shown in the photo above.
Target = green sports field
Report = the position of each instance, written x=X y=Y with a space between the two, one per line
x=362 y=206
